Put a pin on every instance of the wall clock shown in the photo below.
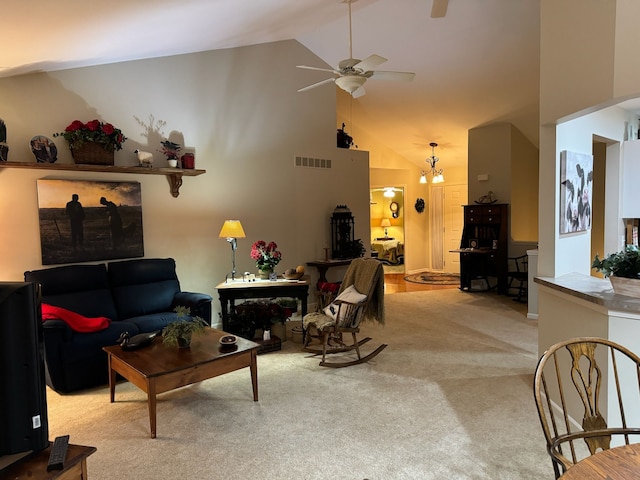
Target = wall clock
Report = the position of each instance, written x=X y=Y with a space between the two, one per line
x=395 y=209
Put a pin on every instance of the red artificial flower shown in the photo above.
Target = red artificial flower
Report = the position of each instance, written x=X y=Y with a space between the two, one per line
x=75 y=125
x=93 y=125
x=105 y=134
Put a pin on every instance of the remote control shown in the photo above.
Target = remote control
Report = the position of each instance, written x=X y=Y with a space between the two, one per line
x=58 y=452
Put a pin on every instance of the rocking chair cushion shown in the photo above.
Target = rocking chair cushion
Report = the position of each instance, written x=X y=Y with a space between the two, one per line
x=349 y=295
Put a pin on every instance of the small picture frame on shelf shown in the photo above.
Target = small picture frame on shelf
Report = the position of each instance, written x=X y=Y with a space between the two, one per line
x=473 y=243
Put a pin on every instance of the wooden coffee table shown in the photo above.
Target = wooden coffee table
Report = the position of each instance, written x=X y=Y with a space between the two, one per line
x=158 y=368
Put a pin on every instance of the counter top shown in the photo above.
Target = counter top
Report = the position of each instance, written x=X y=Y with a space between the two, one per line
x=592 y=289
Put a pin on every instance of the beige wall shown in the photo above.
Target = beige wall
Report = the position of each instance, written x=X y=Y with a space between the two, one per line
x=510 y=161
x=246 y=123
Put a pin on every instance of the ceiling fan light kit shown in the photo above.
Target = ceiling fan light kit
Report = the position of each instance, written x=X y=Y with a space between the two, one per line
x=352 y=73
x=350 y=83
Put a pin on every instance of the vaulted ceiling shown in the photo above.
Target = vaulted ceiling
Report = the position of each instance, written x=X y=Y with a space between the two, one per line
x=477 y=65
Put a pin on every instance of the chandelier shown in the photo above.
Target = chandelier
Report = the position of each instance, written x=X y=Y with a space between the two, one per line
x=432 y=160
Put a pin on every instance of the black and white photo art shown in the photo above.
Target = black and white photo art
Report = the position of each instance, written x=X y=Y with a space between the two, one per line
x=576 y=191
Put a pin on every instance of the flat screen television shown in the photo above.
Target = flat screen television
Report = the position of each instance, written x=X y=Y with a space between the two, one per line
x=24 y=427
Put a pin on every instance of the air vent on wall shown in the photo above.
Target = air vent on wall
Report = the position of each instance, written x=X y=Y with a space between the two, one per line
x=310 y=162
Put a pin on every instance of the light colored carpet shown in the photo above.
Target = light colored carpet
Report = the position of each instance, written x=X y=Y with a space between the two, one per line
x=450 y=398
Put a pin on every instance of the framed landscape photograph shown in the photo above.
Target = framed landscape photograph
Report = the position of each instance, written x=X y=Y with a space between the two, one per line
x=83 y=221
x=576 y=191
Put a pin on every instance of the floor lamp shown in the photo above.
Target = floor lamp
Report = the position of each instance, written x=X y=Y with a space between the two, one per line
x=232 y=230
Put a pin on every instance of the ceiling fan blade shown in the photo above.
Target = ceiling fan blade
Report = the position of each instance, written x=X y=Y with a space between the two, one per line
x=369 y=63
x=328 y=80
x=403 y=76
x=439 y=8
x=317 y=68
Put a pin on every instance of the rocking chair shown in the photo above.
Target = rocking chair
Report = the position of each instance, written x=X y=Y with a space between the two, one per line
x=360 y=298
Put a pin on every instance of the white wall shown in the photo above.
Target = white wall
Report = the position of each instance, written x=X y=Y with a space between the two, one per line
x=586 y=64
x=238 y=109
x=573 y=251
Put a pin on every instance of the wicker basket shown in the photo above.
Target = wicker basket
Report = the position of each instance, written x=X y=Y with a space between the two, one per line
x=92 y=153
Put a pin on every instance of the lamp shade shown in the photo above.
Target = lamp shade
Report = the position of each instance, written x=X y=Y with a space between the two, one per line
x=438 y=178
x=385 y=223
x=232 y=229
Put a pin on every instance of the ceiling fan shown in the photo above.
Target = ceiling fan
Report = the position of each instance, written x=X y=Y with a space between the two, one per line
x=352 y=73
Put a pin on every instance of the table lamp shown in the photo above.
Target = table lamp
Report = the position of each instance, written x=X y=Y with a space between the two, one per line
x=385 y=223
x=232 y=230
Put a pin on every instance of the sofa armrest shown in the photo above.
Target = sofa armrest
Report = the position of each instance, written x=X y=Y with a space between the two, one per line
x=198 y=303
x=58 y=329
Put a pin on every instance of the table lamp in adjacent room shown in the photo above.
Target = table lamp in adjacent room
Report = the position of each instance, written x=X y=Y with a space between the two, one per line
x=232 y=230
x=385 y=223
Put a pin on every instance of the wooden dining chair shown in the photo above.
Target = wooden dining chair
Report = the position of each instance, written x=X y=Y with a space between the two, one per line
x=587 y=393
x=518 y=275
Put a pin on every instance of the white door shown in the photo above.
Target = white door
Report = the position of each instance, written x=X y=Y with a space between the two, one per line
x=455 y=196
x=436 y=227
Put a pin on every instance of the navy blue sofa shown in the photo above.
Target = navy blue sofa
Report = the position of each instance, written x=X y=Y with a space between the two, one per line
x=138 y=296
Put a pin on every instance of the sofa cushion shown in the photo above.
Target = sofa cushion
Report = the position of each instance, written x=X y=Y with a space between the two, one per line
x=143 y=286
x=83 y=289
x=154 y=321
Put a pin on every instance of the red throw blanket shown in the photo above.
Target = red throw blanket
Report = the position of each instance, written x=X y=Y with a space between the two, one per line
x=77 y=322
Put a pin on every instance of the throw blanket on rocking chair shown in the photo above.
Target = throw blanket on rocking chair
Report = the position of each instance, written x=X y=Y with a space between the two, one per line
x=367 y=277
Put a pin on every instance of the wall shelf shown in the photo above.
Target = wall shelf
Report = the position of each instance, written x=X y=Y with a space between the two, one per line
x=174 y=175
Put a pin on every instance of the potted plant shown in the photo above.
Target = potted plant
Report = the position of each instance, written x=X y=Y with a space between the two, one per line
x=622 y=269
x=93 y=142
x=171 y=151
x=179 y=333
x=288 y=305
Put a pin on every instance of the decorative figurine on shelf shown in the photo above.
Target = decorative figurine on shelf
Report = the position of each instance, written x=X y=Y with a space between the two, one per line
x=486 y=199
x=145 y=159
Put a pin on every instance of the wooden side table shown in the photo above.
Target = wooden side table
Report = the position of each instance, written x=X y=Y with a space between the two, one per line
x=231 y=291
x=35 y=467
x=324 y=265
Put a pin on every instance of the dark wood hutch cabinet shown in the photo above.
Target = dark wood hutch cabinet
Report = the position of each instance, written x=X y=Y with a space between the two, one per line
x=483 y=248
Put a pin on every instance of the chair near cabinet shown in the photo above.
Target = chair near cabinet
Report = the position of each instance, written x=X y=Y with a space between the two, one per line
x=592 y=378
x=518 y=274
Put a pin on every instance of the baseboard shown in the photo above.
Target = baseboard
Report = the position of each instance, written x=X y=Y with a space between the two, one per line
x=532 y=316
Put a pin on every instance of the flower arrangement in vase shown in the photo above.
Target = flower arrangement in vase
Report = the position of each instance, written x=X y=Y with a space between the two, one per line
x=171 y=150
x=266 y=255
